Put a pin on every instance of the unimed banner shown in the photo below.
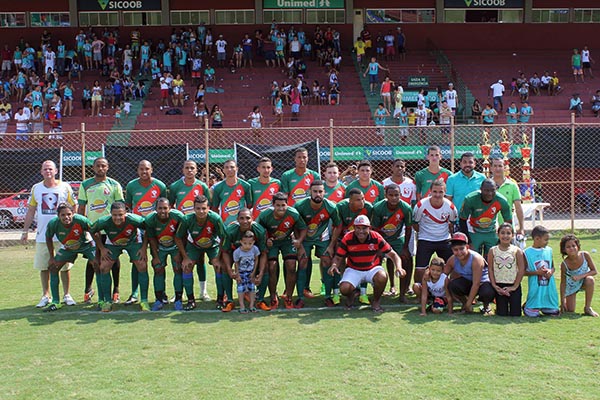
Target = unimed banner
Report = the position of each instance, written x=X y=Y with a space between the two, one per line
x=167 y=162
x=247 y=157
x=21 y=167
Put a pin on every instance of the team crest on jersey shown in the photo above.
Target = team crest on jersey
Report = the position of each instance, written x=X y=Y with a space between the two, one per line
x=445 y=216
x=286 y=224
x=76 y=232
x=128 y=232
x=154 y=193
x=307 y=181
x=406 y=192
x=172 y=228
x=372 y=192
x=209 y=229
x=196 y=192
x=322 y=216
x=106 y=191
x=371 y=247
x=494 y=210
x=238 y=192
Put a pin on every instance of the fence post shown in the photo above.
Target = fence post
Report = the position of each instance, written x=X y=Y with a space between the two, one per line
x=572 y=172
x=206 y=147
x=452 y=144
x=331 y=140
x=82 y=151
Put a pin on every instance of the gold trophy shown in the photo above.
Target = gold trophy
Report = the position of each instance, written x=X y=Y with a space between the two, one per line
x=486 y=150
x=505 y=150
x=526 y=154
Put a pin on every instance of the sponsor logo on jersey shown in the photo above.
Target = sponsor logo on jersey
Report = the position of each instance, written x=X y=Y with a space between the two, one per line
x=232 y=207
x=98 y=206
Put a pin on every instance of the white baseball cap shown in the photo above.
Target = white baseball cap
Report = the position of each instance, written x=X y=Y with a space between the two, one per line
x=362 y=220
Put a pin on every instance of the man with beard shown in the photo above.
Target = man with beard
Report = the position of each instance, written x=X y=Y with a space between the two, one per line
x=465 y=181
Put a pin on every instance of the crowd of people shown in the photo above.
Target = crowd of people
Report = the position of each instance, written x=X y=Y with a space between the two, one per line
x=351 y=222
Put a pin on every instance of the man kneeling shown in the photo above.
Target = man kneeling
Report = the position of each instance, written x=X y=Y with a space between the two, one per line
x=363 y=250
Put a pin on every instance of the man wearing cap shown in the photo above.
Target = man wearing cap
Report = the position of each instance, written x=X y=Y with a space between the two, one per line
x=468 y=274
x=362 y=250
x=481 y=209
x=497 y=90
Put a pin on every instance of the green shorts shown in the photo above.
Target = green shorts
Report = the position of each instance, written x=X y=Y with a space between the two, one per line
x=483 y=242
x=320 y=248
x=197 y=254
x=397 y=245
x=164 y=253
x=64 y=255
x=285 y=247
x=132 y=250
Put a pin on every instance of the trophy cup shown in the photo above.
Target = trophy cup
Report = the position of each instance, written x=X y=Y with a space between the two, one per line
x=526 y=155
x=486 y=150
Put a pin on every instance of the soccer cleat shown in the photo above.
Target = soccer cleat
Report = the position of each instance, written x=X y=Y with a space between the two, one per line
x=229 y=306
x=43 y=302
x=157 y=306
x=329 y=302
x=87 y=297
x=275 y=303
x=299 y=303
x=178 y=305
x=308 y=294
x=364 y=299
x=116 y=298
x=336 y=299
x=131 y=300
x=68 y=300
x=287 y=301
x=106 y=307
x=220 y=302
x=322 y=289
x=263 y=306
x=144 y=306
x=191 y=304
x=52 y=307
x=205 y=297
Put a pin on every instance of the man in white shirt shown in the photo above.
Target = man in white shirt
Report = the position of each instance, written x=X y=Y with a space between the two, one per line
x=221 y=51
x=497 y=90
x=22 y=120
x=452 y=98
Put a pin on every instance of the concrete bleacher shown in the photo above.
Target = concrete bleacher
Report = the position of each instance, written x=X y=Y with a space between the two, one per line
x=480 y=69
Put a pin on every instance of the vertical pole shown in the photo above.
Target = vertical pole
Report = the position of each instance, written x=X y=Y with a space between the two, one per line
x=331 y=140
x=82 y=151
x=572 y=172
x=206 y=147
x=452 y=143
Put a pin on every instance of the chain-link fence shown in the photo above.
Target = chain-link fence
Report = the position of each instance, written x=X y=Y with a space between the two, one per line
x=554 y=165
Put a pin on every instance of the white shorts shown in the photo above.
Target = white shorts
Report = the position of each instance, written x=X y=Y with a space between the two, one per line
x=356 y=277
x=42 y=256
x=6 y=65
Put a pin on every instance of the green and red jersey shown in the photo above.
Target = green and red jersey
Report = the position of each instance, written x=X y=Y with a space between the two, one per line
x=229 y=200
x=483 y=216
x=71 y=237
x=97 y=197
x=363 y=256
x=205 y=234
x=424 y=179
x=317 y=220
x=164 y=232
x=123 y=235
x=347 y=216
x=390 y=223
x=182 y=195
x=297 y=186
x=262 y=194
x=141 y=199
x=373 y=192
x=233 y=237
x=336 y=193
x=282 y=228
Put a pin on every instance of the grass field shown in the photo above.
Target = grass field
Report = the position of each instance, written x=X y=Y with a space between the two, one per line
x=78 y=353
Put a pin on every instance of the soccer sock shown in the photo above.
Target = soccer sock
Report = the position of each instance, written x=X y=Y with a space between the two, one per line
x=201 y=271
x=144 y=280
x=301 y=282
x=328 y=281
x=188 y=284
x=336 y=283
x=363 y=288
x=178 y=282
x=219 y=282
x=158 y=281
x=309 y=268
x=54 y=287
x=89 y=276
x=100 y=286
x=202 y=288
x=262 y=287
x=106 y=282
x=116 y=274
x=134 y=281
x=228 y=286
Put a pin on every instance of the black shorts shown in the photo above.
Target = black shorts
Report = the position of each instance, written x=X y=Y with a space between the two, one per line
x=426 y=248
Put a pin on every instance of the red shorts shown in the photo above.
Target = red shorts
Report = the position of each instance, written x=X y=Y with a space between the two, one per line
x=164 y=93
x=195 y=74
x=390 y=50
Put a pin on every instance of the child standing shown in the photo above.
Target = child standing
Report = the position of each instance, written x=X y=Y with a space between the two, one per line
x=118 y=116
x=506 y=270
x=127 y=108
x=433 y=288
x=542 y=296
x=576 y=273
x=245 y=258
x=379 y=115
x=403 y=123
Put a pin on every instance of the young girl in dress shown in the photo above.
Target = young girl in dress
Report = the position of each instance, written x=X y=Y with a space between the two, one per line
x=506 y=269
x=256 y=118
x=576 y=273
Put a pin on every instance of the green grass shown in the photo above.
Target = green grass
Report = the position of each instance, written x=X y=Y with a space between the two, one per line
x=78 y=353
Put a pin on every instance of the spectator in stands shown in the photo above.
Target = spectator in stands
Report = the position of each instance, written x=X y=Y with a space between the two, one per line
x=398 y=95
x=587 y=60
x=421 y=115
x=86 y=98
x=96 y=97
x=451 y=97
x=575 y=104
x=379 y=115
x=216 y=116
x=555 y=87
x=476 y=111
x=334 y=95
x=221 y=45
x=576 y=64
x=201 y=112
x=54 y=119
x=373 y=71
x=366 y=37
x=514 y=89
x=296 y=100
x=401 y=43
x=524 y=91
x=489 y=114
x=546 y=80
x=497 y=91
x=512 y=114
x=278 y=110
x=380 y=45
x=140 y=90
x=525 y=113
x=108 y=96
x=209 y=75
x=178 y=91
x=359 y=49
x=445 y=120
x=22 y=120
x=535 y=83
x=386 y=92
x=596 y=103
